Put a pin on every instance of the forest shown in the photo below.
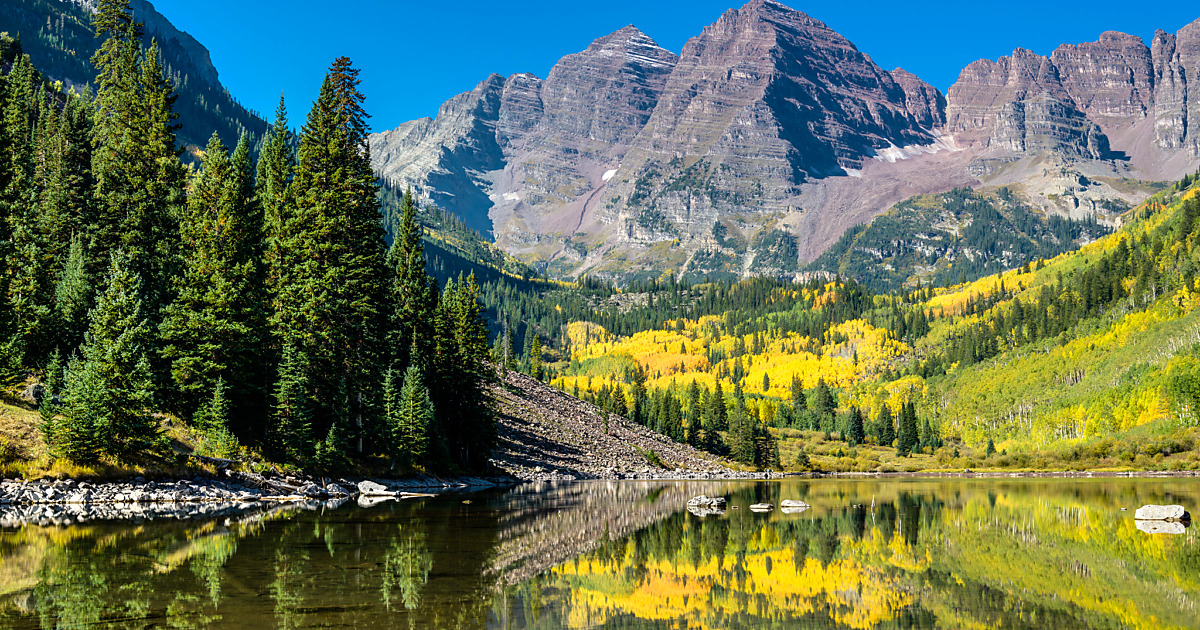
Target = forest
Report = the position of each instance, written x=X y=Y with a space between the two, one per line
x=253 y=297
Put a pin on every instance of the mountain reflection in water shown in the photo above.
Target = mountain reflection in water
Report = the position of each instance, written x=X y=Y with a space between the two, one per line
x=892 y=553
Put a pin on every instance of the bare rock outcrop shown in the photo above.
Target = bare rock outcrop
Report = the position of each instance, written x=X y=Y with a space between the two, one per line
x=547 y=435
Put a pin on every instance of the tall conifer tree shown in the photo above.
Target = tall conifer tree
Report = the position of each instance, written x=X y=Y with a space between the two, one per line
x=215 y=329
x=331 y=302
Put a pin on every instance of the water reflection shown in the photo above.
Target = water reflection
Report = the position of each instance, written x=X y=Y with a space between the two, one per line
x=868 y=554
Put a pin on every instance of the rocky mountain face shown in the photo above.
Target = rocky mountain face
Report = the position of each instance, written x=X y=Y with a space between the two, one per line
x=520 y=152
x=770 y=134
x=1114 y=99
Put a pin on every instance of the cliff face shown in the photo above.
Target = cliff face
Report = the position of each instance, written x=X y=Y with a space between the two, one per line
x=770 y=134
x=516 y=151
x=1112 y=99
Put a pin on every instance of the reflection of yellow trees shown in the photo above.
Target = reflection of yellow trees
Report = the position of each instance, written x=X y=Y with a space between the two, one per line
x=968 y=555
x=854 y=594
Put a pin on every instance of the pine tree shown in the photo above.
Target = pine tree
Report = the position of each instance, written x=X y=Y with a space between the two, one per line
x=908 y=438
x=408 y=412
x=535 y=358
x=718 y=418
x=73 y=297
x=741 y=436
x=465 y=422
x=293 y=436
x=215 y=330
x=109 y=388
x=213 y=419
x=823 y=406
x=854 y=431
x=991 y=448
x=412 y=311
x=886 y=426
x=331 y=302
x=139 y=178
x=276 y=166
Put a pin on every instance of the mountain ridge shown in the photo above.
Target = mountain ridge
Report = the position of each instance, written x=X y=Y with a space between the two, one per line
x=774 y=129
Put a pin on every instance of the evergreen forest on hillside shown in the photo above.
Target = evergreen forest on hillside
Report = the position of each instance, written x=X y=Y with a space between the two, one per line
x=255 y=301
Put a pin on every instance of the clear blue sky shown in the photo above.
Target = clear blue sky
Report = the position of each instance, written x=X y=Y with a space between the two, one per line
x=415 y=55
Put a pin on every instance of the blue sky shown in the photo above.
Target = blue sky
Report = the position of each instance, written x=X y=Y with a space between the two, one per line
x=415 y=55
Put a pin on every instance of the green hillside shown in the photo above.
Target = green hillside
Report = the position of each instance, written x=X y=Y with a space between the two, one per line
x=953 y=237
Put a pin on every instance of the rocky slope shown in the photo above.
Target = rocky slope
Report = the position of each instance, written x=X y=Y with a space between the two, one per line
x=771 y=134
x=548 y=435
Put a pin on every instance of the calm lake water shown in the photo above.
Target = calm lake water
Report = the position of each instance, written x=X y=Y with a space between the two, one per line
x=891 y=553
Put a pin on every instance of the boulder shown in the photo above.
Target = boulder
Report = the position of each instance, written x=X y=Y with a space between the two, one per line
x=704 y=510
x=1161 y=513
x=762 y=507
x=793 y=510
x=789 y=503
x=372 y=489
x=1161 y=527
x=705 y=501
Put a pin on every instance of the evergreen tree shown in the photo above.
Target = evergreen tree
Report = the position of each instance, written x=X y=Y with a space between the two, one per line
x=213 y=419
x=886 y=426
x=108 y=394
x=991 y=448
x=718 y=418
x=411 y=308
x=409 y=413
x=276 y=166
x=331 y=302
x=215 y=330
x=741 y=436
x=854 y=431
x=465 y=422
x=823 y=406
x=535 y=358
x=72 y=297
x=139 y=178
x=293 y=436
x=907 y=440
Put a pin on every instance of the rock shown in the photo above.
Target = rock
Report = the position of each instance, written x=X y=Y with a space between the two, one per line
x=703 y=511
x=762 y=507
x=366 y=501
x=790 y=503
x=1161 y=527
x=312 y=491
x=1161 y=513
x=793 y=510
x=369 y=488
x=705 y=501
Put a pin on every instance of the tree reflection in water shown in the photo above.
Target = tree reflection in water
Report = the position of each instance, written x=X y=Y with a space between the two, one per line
x=869 y=554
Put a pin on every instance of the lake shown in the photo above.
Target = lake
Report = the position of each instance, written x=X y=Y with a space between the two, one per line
x=869 y=553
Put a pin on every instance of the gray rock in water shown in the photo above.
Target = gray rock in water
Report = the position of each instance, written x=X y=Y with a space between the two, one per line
x=1161 y=527
x=1161 y=513
x=705 y=501
x=374 y=499
x=789 y=503
x=703 y=510
x=372 y=489
x=762 y=507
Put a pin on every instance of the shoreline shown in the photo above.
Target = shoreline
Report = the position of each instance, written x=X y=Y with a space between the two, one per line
x=236 y=494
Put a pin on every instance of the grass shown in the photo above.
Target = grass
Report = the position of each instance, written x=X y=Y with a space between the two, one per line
x=1154 y=447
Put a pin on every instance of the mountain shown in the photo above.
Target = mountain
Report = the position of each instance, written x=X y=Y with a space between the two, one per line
x=57 y=35
x=770 y=135
x=524 y=154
